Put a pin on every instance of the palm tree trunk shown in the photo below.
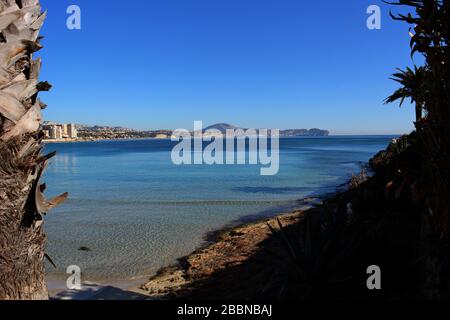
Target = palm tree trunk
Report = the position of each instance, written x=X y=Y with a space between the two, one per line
x=22 y=239
x=418 y=111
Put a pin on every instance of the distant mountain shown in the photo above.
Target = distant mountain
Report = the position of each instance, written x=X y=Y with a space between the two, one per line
x=304 y=133
x=222 y=127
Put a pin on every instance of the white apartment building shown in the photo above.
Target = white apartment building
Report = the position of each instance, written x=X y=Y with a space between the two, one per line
x=72 y=131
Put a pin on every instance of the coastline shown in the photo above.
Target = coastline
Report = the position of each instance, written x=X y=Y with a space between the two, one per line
x=221 y=248
x=50 y=141
x=230 y=244
x=223 y=235
x=227 y=247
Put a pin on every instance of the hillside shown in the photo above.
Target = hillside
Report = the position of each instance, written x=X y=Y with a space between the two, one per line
x=222 y=127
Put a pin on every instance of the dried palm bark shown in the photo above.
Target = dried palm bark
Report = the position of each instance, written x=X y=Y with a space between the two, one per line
x=22 y=204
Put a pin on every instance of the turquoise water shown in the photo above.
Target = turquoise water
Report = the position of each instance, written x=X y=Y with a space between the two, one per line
x=137 y=211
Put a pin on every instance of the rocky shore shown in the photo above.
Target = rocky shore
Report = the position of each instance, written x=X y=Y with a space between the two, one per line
x=228 y=248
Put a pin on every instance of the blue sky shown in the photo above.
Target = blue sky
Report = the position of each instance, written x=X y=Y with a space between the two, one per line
x=150 y=64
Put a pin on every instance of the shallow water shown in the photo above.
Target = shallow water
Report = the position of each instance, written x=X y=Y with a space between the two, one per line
x=137 y=211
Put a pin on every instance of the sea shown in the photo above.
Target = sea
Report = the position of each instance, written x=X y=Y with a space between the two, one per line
x=136 y=211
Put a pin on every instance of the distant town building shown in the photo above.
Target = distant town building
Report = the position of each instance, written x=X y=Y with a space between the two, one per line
x=59 y=132
x=72 y=131
x=52 y=132
x=65 y=130
x=55 y=132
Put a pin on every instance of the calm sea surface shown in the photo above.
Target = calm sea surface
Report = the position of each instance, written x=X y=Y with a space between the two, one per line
x=137 y=211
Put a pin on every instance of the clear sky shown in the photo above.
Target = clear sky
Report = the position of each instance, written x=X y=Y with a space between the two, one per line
x=152 y=64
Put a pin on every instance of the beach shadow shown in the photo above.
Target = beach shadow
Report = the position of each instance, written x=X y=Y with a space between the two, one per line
x=97 y=292
x=334 y=269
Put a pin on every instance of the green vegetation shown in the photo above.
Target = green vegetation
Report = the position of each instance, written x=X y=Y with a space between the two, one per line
x=412 y=82
x=400 y=216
